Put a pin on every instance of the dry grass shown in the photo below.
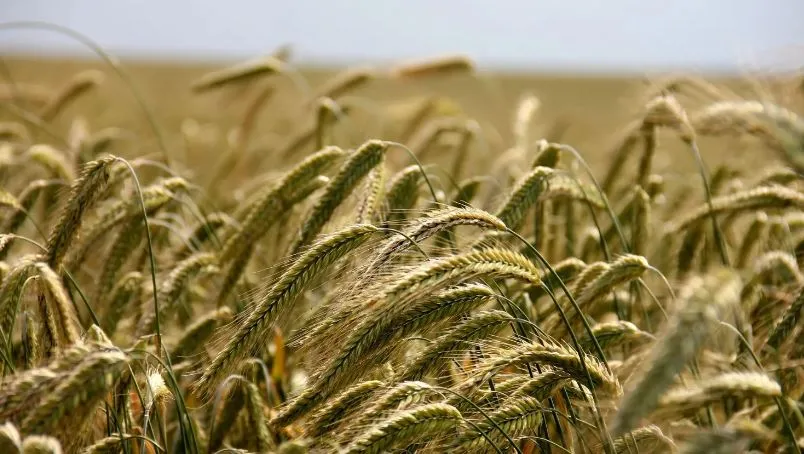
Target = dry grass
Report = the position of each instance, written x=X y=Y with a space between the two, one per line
x=413 y=258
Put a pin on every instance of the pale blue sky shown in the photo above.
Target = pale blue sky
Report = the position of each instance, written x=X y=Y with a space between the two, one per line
x=609 y=35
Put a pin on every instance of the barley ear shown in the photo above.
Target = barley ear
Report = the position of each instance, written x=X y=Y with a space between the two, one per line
x=704 y=299
x=83 y=194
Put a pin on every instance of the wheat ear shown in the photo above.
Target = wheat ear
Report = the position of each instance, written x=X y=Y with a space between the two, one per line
x=368 y=156
x=83 y=194
x=308 y=266
x=78 y=85
x=704 y=299
x=406 y=427
x=238 y=73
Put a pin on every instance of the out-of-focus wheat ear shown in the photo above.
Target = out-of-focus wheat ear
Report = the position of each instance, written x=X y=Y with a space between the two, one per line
x=95 y=335
x=427 y=137
x=439 y=66
x=367 y=157
x=208 y=230
x=244 y=72
x=662 y=111
x=128 y=289
x=568 y=270
x=83 y=194
x=314 y=261
x=296 y=141
x=195 y=336
x=27 y=94
x=231 y=280
x=255 y=408
x=402 y=194
x=10 y=440
x=405 y=427
x=784 y=328
x=31 y=342
x=590 y=244
x=60 y=302
x=766 y=197
x=416 y=112
x=620 y=154
x=752 y=239
x=368 y=209
x=526 y=110
x=737 y=431
x=27 y=198
x=461 y=149
x=53 y=160
x=79 y=84
x=716 y=441
x=733 y=385
x=76 y=393
x=516 y=417
x=781 y=175
x=644 y=439
x=649 y=141
x=11 y=131
x=51 y=338
x=466 y=192
x=690 y=86
x=174 y=285
x=779 y=128
x=656 y=189
x=340 y=407
x=7 y=199
x=547 y=155
x=704 y=299
x=5 y=243
x=113 y=443
x=223 y=419
x=689 y=250
x=4 y=269
x=641 y=228
x=77 y=135
x=778 y=235
x=100 y=142
x=475 y=327
x=155 y=196
x=344 y=82
x=127 y=240
x=777 y=268
x=239 y=137
x=328 y=113
x=41 y=444
x=244 y=130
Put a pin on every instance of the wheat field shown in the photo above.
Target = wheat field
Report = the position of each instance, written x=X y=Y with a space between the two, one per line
x=412 y=257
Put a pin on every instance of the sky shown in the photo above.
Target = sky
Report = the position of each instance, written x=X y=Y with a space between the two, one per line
x=550 y=35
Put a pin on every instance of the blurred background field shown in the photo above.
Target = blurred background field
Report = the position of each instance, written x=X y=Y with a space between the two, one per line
x=592 y=66
x=586 y=110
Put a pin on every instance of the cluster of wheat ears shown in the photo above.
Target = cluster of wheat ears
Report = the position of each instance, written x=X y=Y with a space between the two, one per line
x=379 y=297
